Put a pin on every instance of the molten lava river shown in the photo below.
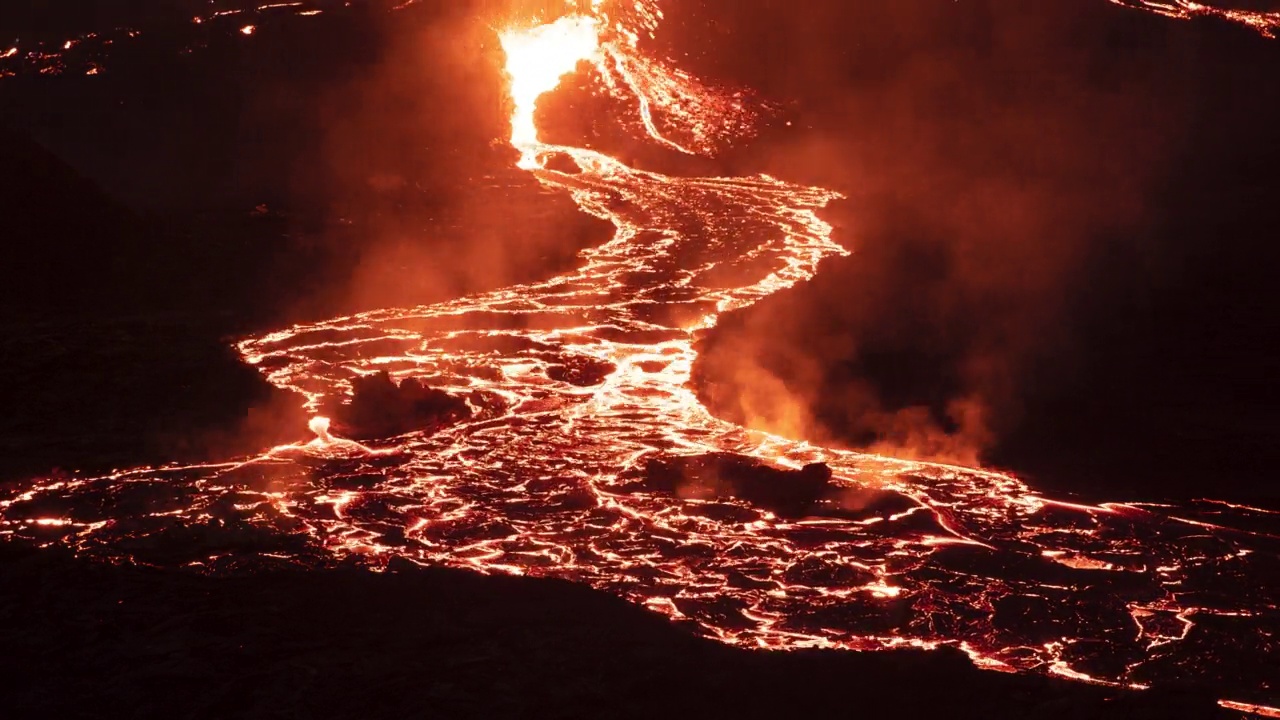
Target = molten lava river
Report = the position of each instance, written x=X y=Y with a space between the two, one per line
x=575 y=385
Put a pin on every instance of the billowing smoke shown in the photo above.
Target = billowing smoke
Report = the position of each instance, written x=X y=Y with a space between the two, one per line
x=991 y=152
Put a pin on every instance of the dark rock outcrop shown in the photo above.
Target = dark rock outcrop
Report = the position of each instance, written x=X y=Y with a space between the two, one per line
x=581 y=371
x=719 y=475
x=381 y=408
x=101 y=640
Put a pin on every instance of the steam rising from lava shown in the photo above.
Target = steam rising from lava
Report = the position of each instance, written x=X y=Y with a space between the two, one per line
x=539 y=479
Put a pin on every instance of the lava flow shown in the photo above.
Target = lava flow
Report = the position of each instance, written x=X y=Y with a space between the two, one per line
x=85 y=52
x=1265 y=22
x=539 y=476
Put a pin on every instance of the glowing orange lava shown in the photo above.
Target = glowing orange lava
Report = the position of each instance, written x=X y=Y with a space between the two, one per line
x=1265 y=22
x=536 y=61
x=539 y=479
x=55 y=58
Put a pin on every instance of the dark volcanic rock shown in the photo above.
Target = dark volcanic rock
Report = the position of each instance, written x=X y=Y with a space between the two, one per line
x=98 y=640
x=564 y=163
x=786 y=492
x=381 y=408
x=581 y=371
x=67 y=244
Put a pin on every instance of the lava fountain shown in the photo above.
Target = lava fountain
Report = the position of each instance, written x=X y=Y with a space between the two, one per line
x=574 y=386
x=536 y=61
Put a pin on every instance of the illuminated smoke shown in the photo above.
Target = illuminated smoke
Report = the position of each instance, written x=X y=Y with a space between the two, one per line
x=538 y=480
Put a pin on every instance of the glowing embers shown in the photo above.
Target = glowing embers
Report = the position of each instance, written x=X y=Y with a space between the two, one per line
x=88 y=52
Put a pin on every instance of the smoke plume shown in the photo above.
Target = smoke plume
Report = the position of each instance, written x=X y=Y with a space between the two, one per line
x=990 y=152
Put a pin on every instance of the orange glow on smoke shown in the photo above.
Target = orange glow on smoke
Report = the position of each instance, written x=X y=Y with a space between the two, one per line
x=537 y=481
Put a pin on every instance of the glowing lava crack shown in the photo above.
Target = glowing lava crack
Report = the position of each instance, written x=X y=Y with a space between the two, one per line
x=534 y=480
